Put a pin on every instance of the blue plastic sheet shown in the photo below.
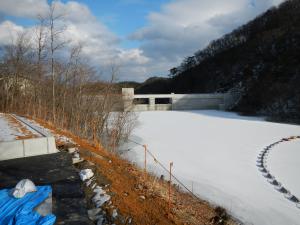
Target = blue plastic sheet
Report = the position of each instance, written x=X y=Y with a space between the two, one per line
x=19 y=211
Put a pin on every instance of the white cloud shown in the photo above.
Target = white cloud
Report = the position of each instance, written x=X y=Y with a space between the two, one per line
x=24 y=8
x=74 y=11
x=133 y=56
x=99 y=44
x=185 y=26
x=9 y=32
x=179 y=29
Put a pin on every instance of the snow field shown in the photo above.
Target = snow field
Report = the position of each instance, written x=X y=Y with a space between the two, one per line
x=217 y=152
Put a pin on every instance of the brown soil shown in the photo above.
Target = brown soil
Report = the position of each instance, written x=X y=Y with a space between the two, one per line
x=141 y=197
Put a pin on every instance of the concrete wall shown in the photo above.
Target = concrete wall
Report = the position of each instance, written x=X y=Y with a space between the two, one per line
x=197 y=101
x=27 y=147
x=128 y=96
x=177 y=101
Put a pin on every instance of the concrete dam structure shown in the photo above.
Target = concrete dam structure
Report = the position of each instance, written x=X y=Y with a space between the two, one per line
x=162 y=102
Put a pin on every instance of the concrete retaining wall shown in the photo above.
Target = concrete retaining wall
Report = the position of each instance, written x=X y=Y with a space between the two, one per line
x=176 y=101
x=27 y=147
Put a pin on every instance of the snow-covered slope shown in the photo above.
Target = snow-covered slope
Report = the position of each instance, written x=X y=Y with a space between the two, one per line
x=217 y=151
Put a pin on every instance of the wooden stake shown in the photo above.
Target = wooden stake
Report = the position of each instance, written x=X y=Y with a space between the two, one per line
x=192 y=187
x=94 y=133
x=170 y=183
x=145 y=160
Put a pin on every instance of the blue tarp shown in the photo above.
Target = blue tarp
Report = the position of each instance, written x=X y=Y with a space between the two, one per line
x=19 y=211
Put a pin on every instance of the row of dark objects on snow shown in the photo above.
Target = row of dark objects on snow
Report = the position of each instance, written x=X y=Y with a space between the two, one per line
x=261 y=163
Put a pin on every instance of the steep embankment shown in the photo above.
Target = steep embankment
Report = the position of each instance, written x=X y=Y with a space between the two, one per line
x=259 y=60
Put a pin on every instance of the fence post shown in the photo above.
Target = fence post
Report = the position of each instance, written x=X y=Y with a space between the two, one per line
x=94 y=133
x=170 y=183
x=145 y=160
x=114 y=140
x=193 y=187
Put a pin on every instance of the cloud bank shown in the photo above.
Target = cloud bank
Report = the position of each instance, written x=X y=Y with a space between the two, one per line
x=179 y=29
x=184 y=26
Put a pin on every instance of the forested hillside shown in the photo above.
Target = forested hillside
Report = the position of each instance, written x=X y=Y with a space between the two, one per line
x=260 y=61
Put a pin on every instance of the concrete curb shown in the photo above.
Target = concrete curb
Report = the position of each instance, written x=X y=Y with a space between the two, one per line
x=27 y=147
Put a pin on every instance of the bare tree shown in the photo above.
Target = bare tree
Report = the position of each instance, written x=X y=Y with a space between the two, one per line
x=73 y=97
x=17 y=63
x=55 y=44
x=40 y=38
x=71 y=67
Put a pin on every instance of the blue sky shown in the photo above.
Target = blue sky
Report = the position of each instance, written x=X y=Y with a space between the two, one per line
x=123 y=17
x=144 y=38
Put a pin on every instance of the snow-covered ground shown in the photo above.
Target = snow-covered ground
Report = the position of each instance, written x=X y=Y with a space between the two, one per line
x=46 y=131
x=283 y=162
x=10 y=130
x=7 y=131
x=217 y=152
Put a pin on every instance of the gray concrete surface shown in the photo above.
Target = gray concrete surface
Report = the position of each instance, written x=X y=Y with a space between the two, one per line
x=27 y=147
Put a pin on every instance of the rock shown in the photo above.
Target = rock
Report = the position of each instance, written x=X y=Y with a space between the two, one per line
x=77 y=160
x=94 y=185
x=100 y=197
x=90 y=164
x=72 y=150
x=220 y=217
x=142 y=197
x=114 y=214
x=86 y=174
x=89 y=182
x=93 y=214
x=99 y=156
x=76 y=155
x=100 y=221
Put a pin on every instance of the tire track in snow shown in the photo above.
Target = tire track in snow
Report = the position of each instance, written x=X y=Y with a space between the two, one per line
x=261 y=163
